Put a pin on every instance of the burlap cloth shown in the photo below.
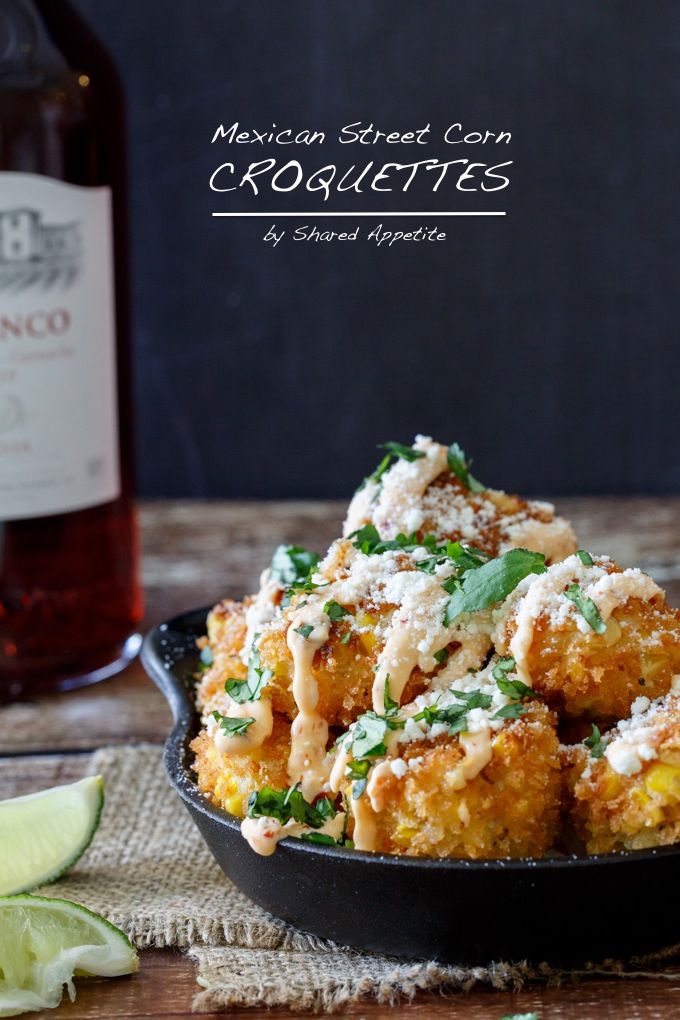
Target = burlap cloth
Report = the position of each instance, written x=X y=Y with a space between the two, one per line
x=150 y=873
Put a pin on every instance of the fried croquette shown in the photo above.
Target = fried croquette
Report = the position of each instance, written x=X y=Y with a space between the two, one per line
x=229 y=779
x=591 y=637
x=510 y=808
x=624 y=792
x=428 y=490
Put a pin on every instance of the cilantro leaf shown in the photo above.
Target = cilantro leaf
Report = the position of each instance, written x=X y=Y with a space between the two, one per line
x=369 y=735
x=505 y=664
x=399 y=450
x=394 y=450
x=586 y=607
x=305 y=586
x=585 y=558
x=442 y=655
x=284 y=805
x=460 y=466
x=595 y=744
x=305 y=630
x=514 y=688
x=455 y=716
x=511 y=688
x=320 y=838
x=251 y=688
x=335 y=611
x=473 y=699
x=492 y=582
x=357 y=771
x=345 y=639
x=292 y=563
x=233 y=727
x=391 y=707
x=512 y=711
x=368 y=541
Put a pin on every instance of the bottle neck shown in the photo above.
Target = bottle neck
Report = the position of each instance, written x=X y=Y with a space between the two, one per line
x=27 y=53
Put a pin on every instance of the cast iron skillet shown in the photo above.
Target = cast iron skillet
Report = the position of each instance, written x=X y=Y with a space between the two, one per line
x=467 y=912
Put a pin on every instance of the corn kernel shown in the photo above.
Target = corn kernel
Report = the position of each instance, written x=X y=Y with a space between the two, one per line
x=612 y=633
x=664 y=779
x=404 y=834
x=234 y=804
x=611 y=787
x=368 y=637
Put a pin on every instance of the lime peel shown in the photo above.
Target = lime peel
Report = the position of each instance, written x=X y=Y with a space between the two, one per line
x=43 y=834
x=44 y=942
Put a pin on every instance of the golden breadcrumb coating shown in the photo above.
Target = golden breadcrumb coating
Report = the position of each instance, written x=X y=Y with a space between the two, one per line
x=343 y=672
x=422 y=494
x=582 y=673
x=229 y=780
x=499 y=520
x=611 y=810
x=226 y=637
x=511 y=809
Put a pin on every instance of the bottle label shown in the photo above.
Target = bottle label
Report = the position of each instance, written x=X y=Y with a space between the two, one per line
x=58 y=409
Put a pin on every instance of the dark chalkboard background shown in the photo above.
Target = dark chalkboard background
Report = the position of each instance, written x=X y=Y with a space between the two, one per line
x=545 y=342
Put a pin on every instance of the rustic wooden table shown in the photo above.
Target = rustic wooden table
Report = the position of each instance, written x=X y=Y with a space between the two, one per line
x=195 y=553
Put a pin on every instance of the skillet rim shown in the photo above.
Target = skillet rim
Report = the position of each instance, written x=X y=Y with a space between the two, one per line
x=174 y=690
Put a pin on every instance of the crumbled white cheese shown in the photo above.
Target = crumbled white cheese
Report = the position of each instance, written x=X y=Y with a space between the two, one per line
x=640 y=705
x=623 y=758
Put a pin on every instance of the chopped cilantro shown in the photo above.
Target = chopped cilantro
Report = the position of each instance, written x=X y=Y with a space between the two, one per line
x=335 y=611
x=399 y=450
x=391 y=707
x=511 y=688
x=455 y=716
x=505 y=665
x=292 y=563
x=286 y=804
x=305 y=586
x=320 y=838
x=305 y=630
x=492 y=582
x=344 y=640
x=394 y=450
x=512 y=711
x=442 y=655
x=595 y=744
x=369 y=542
x=473 y=699
x=460 y=466
x=233 y=727
x=251 y=688
x=357 y=771
x=586 y=607
x=368 y=736
x=585 y=558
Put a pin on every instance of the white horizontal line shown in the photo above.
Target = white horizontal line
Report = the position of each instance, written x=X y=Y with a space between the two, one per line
x=427 y=213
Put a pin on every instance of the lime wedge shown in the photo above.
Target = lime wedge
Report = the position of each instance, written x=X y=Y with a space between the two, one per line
x=43 y=834
x=44 y=943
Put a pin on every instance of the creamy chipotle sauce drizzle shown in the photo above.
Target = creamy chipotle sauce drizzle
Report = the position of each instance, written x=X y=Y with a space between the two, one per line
x=309 y=731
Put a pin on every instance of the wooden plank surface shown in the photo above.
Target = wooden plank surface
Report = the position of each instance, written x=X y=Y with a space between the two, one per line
x=166 y=985
x=196 y=553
